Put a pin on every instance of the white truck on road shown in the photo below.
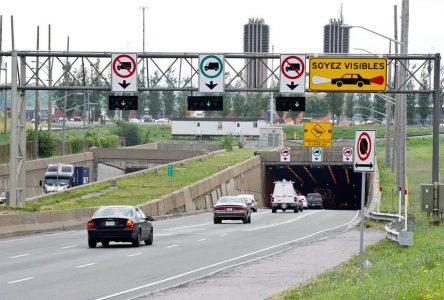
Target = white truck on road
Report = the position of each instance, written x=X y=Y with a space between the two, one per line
x=285 y=197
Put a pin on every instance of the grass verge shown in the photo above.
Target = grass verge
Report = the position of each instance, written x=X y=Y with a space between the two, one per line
x=393 y=272
x=140 y=188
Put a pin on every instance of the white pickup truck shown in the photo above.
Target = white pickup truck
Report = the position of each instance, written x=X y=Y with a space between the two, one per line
x=285 y=197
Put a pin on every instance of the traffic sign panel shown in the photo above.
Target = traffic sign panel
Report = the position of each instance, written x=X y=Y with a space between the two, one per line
x=317 y=134
x=211 y=73
x=123 y=70
x=355 y=74
x=347 y=154
x=316 y=154
x=292 y=79
x=285 y=154
x=364 y=151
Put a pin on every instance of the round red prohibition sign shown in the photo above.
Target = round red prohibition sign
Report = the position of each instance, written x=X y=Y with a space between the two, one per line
x=347 y=152
x=119 y=64
x=298 y=67
x=285 y=151
x=364 y=146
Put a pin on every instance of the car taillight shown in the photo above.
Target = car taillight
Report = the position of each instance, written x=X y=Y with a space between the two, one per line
x=90 y=224
x=129 y=224
x=295 y=199
x=219 y=208
x=272 y=199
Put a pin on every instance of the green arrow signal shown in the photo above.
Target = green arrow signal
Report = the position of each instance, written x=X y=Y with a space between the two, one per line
x=208 y=103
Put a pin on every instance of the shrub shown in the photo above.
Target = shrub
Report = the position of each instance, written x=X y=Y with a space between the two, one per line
x=109 y=141
x=227 y=142
x=131 y=133
x=76 y=144
x=47 y=145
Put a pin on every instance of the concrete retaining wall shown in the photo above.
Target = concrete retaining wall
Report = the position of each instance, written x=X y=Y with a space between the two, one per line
x=243 y=177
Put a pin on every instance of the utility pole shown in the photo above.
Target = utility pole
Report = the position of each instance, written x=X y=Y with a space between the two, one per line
x=271 y=93
x=395 y=85
x=402 y=103
x=64 y=103
x=37 y=104
x=49 y=80
x=143 y=8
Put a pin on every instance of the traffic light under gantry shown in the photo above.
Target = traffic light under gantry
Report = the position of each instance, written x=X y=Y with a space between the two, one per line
x=123 y=103
x=206 y=103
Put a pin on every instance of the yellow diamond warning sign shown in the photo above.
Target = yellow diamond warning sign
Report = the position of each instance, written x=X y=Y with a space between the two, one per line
x=351 y=74
x=317 y=134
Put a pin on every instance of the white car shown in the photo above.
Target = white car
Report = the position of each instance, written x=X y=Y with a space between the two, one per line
x=134 y=120
x=251 y=201
x=2 y=197
x=304 y=201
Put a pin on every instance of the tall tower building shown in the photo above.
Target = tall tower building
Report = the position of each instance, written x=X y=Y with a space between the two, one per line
x=336 y=36
x=256 y=39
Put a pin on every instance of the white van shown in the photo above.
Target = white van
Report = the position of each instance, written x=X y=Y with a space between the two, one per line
x=285 y=197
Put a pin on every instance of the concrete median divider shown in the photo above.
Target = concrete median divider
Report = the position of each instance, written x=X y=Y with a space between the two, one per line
x=194 y=198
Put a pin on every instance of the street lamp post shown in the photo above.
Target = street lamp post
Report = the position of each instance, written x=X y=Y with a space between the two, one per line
x=387 y=107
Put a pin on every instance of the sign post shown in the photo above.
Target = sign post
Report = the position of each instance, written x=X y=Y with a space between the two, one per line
x=170 y=174
x=364 y=162
x=211 y=73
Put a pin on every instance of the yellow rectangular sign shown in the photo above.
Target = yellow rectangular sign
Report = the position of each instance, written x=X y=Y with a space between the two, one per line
x=317 y=134
x=351 y=74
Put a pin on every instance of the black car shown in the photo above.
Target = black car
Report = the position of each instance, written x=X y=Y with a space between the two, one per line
x=119 y=224
x=350 y=79
x=315 y=200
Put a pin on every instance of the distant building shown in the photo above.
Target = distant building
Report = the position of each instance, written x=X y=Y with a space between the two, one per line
x=256 y=39
x=336 y=36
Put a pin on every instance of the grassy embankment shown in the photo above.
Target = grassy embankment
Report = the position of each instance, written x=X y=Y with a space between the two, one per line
x=140 y=188
x=416 y=272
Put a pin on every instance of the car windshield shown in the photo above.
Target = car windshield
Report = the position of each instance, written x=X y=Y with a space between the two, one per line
x=57 y=181
x=230 y=200
x=105 y=212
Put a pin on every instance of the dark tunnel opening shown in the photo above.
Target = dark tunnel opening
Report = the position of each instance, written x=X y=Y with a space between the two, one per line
x=338 y=185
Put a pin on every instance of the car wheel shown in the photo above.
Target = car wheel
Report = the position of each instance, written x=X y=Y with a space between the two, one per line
x=296 y=210
x=249 y=219
x=360 y=84
x=150 y=240
x=105 y=243
x=217 y=221
x=136 y=242
x=273 y=210
x=245 y=220
x=339 y=83
x=92 y=243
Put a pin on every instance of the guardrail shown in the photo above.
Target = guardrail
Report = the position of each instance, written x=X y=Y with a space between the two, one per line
x=391 y=234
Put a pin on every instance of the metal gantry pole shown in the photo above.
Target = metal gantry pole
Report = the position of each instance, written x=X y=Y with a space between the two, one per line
x=436 y=121
x=13 y=163
x=49 y=81
x=361 y=238
x=37 y=103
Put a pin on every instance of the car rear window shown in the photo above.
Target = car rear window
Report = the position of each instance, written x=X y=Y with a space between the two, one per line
x=230 y=200
x=125 y=212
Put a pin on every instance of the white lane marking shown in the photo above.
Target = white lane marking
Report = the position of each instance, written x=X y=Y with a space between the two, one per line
x=172 y=246
x=20 y=280
x=135 y=254
x=86 y=265
x=201 y=240
x=186 y=227
x=67 y=247
x=283 y=223
x=43 y=235
x=226 y=261
x=21 y=255
x=225 y=234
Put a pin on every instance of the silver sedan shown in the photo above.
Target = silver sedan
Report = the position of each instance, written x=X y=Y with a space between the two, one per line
x=231 y=208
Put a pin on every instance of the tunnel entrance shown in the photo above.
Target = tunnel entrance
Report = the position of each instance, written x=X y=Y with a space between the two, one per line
x=339 y=186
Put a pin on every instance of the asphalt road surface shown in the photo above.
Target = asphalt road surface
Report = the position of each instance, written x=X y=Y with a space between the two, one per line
x=189 y=254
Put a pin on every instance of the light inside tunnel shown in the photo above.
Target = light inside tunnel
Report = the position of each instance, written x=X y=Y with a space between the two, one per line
x=337 y=184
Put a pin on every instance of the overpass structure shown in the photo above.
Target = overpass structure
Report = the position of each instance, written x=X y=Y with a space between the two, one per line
x=60 y=76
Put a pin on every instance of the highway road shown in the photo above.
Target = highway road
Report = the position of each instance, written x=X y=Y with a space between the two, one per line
x=61 y=266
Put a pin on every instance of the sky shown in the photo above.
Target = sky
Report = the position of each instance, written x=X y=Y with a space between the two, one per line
x=202 y=26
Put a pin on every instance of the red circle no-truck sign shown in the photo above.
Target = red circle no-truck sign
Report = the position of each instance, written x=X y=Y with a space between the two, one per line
x=285 y=151
x=364 y=146
x=124 y=66
x=297 y=66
